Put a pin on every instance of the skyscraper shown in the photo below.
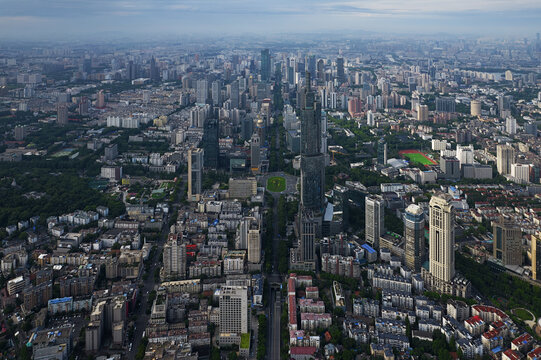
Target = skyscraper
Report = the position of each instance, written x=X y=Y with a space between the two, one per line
x=442 y=237
x=202 y=91
x=505 y=157
x=253 y=238
x=255 y=150
x=62 y=114
x=100 y=102
x=307 y=233
x=535 y=252
x=507 y=245
x=174 y=258
x=312 y=160
x=475 y=108
x=234 y=314
x=210 y=143
x=235 y=95
x=382 y=151
x=154 y=71
x=195 y=173
x=217 y=93
x=374 y=220
x=320 y=70
x=265 y=65
x=340 y=70
x=414 y=234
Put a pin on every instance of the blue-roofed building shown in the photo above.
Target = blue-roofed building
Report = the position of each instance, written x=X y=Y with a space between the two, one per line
x=370 y=254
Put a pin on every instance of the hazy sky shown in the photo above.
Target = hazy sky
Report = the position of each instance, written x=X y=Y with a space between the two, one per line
x=68 y=18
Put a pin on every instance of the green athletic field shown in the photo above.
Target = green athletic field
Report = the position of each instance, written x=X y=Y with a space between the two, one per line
x=415 y=157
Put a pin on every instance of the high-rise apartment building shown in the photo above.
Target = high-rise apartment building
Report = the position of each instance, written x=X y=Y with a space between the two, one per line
x=475 y=108
x=234 y=314
x=202 y=91
x=217 y=93
x=195 y=173
x=382 y=151
x=414 y=234
x=174 y=258
x=507 y=245
x=445 y=104
x=374 y=220
x=307 y=237
x=442 y=237
x=62 y=114
x=505 y=156
x=422 y=113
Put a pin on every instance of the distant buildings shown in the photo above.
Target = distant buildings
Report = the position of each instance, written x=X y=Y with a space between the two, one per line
x=174 y=258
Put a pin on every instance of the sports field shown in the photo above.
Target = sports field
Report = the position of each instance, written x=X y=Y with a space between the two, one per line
x=276 y=184
x=417 y=156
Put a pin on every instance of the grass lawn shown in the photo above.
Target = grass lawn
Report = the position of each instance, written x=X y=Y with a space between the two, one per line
x=418 y=158
x=276 y=184
x=523 y=314
x=244 y=341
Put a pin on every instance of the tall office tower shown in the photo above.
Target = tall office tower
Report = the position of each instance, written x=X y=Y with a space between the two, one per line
x=382 y=151
x=235 y=95
x=320 y=70
x=62 y=114
x=505 y=156
x=146 y=96
x=253 y=239
x=210 y=143
x=475 y=108
x=195 y=173
x=333 y=100
x=312 y=160
x=83 y=106
x=265 y=65
x=130 y=71
x=340 y=70
x=255 y=153
x=422 y=113
x=535 y=253
x=511 y=125
x=234 y=314
x=445 y=104
x=100 y=102
x=370 y=118
x=374 y=215
x=174 y=258
x=217 y=93
x=442 y=237
x=154 y=71
x=507 y=245
x=414 y=234
x=311 y=64
x=307 y=236
x=202 y=91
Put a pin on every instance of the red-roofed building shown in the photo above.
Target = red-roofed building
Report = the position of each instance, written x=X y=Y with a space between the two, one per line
x=488 y=313
x=303 y=353
x=292 y=312
x=312 y=292
x=475 y=325
x=491 y=339
x=535 y=354
x=523 y=343
x=291 y=286
x=510 y=354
